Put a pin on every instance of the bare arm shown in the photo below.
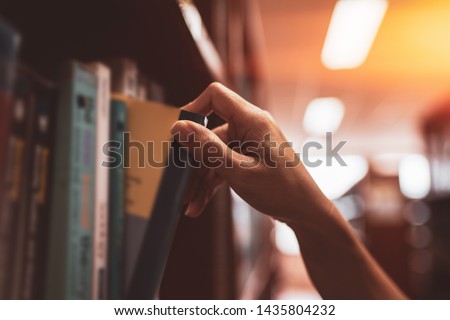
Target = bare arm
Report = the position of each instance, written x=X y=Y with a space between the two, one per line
x=251 y=154
x=337 y=262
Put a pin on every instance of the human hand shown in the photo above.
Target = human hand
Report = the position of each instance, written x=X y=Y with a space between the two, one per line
x=250 y=153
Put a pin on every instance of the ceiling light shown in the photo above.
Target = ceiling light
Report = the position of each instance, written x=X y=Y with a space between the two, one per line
x=323 y=115
x=352 y=30
x=336 y=180
x=414 y=176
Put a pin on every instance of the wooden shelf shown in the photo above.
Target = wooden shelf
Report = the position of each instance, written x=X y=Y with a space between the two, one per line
x=154 y=33
x=170 y=45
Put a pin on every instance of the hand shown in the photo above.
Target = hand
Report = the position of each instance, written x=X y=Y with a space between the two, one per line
x=251 y=154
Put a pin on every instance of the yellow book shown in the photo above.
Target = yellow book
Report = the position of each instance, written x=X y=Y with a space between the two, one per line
x=153 y=191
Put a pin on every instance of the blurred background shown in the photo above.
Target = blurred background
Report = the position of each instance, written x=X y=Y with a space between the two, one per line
x=376 y=73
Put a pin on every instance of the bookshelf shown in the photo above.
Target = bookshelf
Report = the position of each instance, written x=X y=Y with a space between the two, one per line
x=154 y=33
x=168 y=41
x=436 y=133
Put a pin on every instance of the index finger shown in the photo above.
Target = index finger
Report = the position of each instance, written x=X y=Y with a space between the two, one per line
x=221 y=100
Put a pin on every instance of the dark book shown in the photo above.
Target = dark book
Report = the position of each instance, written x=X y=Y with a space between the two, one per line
x=116 y=214
x=146 y=150
x=157 y=176
x=159 y=229
x=17 y=175
x=9 y=46
x=31 y=271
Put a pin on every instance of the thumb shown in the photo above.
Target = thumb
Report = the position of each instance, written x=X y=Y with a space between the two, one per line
x=205 y=146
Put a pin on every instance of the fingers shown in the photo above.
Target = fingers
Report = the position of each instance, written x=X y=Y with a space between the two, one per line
x=205 y=146
x=222 y=133
x=224 y=102
x=204 y=181
x=207 y=188
x=192 y=190
x=197 y=177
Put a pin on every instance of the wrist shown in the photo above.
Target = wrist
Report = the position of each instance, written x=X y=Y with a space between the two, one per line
x=315 y=214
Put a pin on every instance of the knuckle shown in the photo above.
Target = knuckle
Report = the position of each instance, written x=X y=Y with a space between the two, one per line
x=265 y=119
x=215 y=87
x=217 y=91
x=269 y=115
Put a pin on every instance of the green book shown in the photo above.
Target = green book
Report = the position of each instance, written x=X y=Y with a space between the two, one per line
x=116 y=199
x=71 y=228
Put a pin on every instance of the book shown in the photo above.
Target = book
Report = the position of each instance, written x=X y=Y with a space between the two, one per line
x=116 y=199
x=100 y=241
x=9 y=47
x=146 y=122
x=155 y=92
x=156 y=173
x=17 y=175
x=150 y=90
x=124 y=77
x=125 y=80
x=31 y=92
x=71 y=229
x=160 y=229
x=37 y=188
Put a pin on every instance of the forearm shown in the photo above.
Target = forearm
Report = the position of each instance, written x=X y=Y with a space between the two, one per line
x=338 y=263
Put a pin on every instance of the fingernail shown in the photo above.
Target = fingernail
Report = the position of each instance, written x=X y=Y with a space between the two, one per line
x=188 y=212
x=181 y=127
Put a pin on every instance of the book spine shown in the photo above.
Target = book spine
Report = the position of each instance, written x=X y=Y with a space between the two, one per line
x=125 y=79
x=155 y=92
x=70 y=269
x=116 y=199
x=100 y=243
x=83 y=171
x=13 y=217
x=160 y=230
x=60 y=194
x=36 y=254
x=9 y=45
x=25 y=98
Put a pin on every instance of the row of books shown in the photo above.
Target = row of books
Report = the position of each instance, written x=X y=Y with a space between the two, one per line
x=73 y=217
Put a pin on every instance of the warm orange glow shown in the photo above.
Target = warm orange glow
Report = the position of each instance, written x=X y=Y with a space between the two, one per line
x=406 y=71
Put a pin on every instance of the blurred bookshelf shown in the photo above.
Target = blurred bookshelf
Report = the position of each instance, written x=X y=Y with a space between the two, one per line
x=183 y=46
x=153 y=33
x=431 y=214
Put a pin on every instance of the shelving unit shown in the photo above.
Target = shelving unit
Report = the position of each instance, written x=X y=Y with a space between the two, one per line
x=168 y=41
x=154 y=33
x=436 y=132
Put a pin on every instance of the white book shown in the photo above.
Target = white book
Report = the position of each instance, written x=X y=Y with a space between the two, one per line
x=100 y=240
